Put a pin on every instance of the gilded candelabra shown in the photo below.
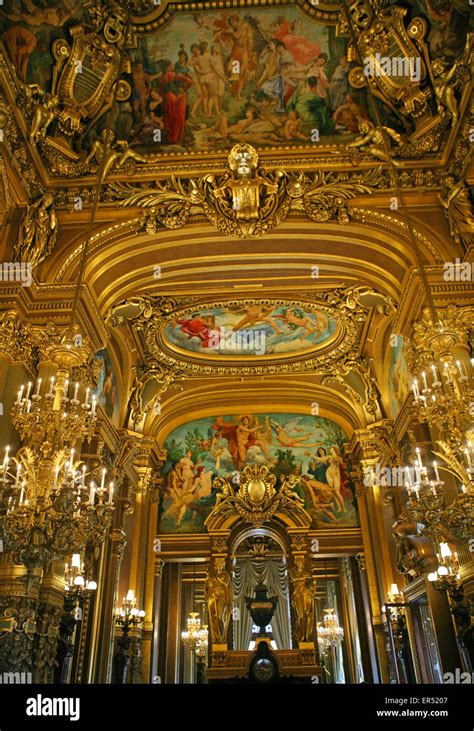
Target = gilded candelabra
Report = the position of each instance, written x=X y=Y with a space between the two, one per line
x=128 y=616
x=77 y=587
x=47 y=510
x=444 y=389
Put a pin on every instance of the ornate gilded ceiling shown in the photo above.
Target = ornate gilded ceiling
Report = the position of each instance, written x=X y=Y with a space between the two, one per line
x=287 y=78
x=288 y=276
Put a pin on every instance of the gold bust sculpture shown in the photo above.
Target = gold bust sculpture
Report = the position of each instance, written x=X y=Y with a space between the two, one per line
x=246 y=184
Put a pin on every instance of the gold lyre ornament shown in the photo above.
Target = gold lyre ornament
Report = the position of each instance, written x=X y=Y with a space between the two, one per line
x=85 y=72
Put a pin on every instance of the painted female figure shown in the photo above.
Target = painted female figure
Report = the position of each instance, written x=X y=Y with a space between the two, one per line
x=173 y=87
x=334 y=462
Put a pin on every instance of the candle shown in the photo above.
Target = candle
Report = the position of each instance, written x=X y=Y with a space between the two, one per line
x=50 y=393
x=433 y=489
x=102 y=482
x=415 y=389
x=111 y=492
x=461 y=372
x=417 y=450
x=417 y=493
x=409 y=476
x=22 y=493
x=94 y=404
x=468 y=457
x=425 y=384
x=436 y=471
x=446 y=373
x=5 y=461
x=91 y=494
x=20 y=394
x=76 y=391
x=28 y=406
x=28 y=391
x=87 y=396
x=38 y=386
x=435 y=376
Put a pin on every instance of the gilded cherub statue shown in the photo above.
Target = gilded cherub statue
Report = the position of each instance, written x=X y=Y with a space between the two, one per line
x=114 y=157
x=371 y=140
x=218 y=589
x=302 y=600
x=444 y=81
x=246 y=185
x=42 y=118
x=38 y=231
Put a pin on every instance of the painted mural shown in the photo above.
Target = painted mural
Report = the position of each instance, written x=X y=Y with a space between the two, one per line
x=209 y=79
x=398 y=378
x=107 y=393
x=265 y=77
x=309 y=447
x=250 y=330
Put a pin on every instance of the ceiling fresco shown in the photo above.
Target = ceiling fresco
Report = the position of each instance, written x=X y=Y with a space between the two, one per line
x=309 y=448
x=279 y=78
x=250 y=330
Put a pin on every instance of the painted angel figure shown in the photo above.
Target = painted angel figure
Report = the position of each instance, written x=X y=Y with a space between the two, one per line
x=254 y=314
x=286 y=439
x=240 y=436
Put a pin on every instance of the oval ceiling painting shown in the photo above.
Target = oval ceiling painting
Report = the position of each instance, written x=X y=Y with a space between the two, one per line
x=250 y=330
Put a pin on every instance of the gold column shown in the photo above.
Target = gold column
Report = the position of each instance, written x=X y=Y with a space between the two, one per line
x=172 y=630
x=100 y=670
x=377 y=620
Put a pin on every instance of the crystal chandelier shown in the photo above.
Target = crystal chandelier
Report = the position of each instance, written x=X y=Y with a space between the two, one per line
x=330 y=634
x=195 y=636
x=48 y=512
